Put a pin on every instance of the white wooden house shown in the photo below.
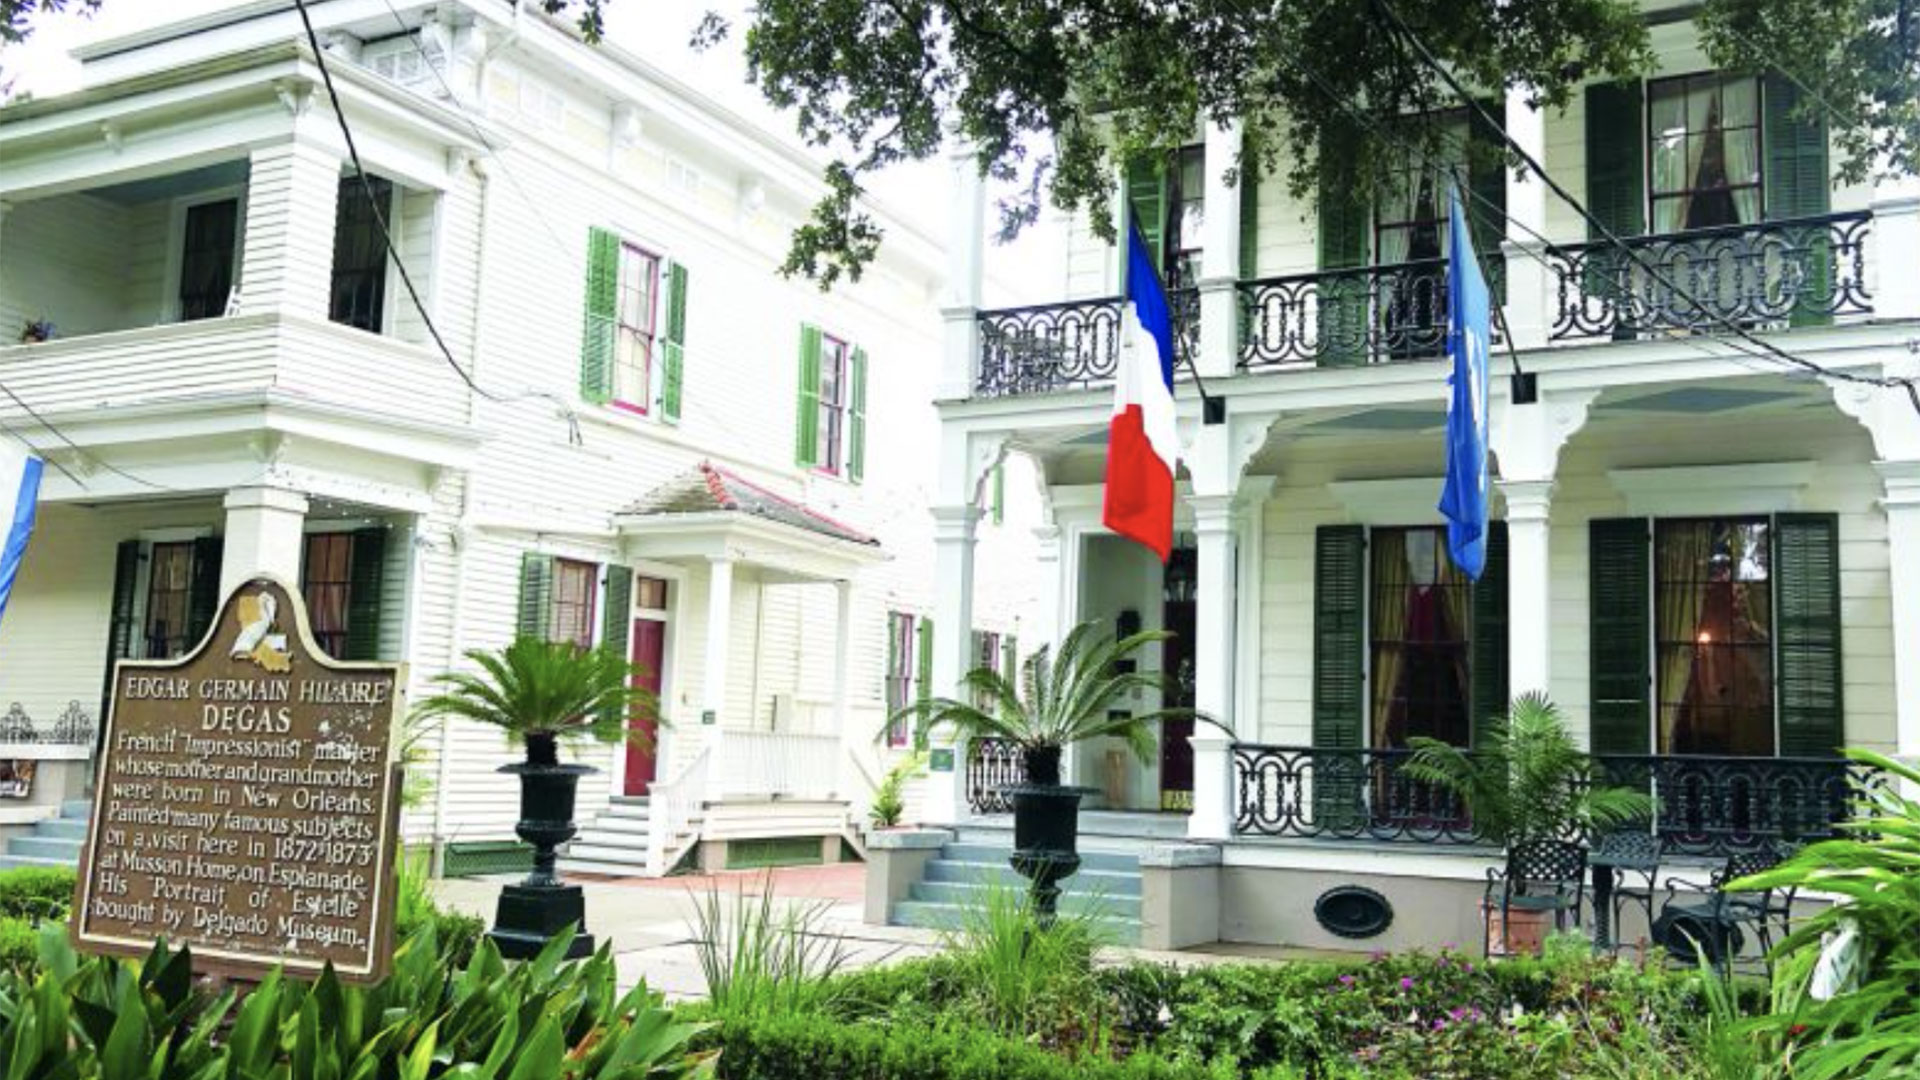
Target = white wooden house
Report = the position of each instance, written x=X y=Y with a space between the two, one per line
x=1708 y=558
x=652 y=441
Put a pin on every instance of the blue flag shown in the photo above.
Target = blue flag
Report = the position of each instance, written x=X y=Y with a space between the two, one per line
x=1469 y=484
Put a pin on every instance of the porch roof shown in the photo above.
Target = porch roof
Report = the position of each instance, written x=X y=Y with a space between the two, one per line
x=712 y=512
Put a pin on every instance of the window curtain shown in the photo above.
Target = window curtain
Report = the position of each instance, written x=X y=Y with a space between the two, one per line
x=1390 y=614
x=1682 y=551
x=1739 y=99
x=1456 y=598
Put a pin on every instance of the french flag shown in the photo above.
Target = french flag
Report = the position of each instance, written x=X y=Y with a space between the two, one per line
x=19 y=495
x=1142 y=446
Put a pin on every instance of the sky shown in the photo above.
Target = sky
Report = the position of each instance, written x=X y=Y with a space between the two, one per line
x=1029 y=272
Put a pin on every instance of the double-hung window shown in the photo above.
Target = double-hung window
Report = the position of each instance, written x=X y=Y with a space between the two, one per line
x=833 y=404
x=1421 y=624
x=574 y=585
x=1713 y=636
x=634 y=345
x=208 y=246
x=900 y=668
x=1704 y=151
x=359 y=294
x=327 y=582
x=169 y=631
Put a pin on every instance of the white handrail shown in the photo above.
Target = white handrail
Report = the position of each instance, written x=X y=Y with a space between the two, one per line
x=672 y=805
x=779 y=763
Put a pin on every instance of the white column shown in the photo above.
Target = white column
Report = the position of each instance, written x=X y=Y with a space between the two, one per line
x=1042 y=627
x=1530 y=288
x=1902 y=504
x=1896 y=236
x=842 y=657
x=1215 y=618
x=1529 y=578
x=713 y=684
x=953 y=541
x=966 y=268
x=263 y=536
x=1220 y=267
x=286 y=261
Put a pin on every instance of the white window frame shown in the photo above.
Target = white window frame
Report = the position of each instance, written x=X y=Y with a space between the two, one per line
x=177 y=238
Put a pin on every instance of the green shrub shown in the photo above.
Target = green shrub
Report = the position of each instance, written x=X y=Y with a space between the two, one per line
x=19 y=944
x=415 y=911
x=30 y=892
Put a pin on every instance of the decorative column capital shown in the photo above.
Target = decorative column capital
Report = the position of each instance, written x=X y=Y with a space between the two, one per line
x=955 y=524
x=264 y=497
x=1527 y=500
x=1902 y=481
x=1527 y=438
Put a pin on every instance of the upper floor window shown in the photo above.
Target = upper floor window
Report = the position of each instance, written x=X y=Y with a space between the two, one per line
x=574 y=586
x=831 y=425
x=1410 y=222
x=1704 y=158
x=209 y=244
x=639 y=284
x=1167 y=198
x=833 y=403
x=1713 y=635
x=359 y=293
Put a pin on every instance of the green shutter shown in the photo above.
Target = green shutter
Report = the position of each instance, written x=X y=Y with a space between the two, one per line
x=1806 y=575
x=1249 y=209
x=1487 y=179
x=923 y=677
x=673 y=348
x=597 y=336
x=998 y=507
x=203 y=596
x=857 y=416
x=536 y=595
x=1010 y=658
x=1797 y=186
x=365 y=578
x=616 y=620
x=1491 y=693
x=1343 y=215
x=120 y=625
x=1620 y=615
x=1616 y=172
x=1339 y=673
x=1147 y=208
x=806 y=428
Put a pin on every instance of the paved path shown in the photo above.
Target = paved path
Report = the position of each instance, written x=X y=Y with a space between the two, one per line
x=650 y=921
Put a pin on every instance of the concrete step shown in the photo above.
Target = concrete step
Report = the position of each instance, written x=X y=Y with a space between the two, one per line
x=76 y=808
x=608 y=853
x=613 y=823
x=619 y=869
x=1104 y=861
x=1105 y=883
x=596 y=838
x=18 y=862
x=61 y=828
x=959 y=894
x=46 y=847
x=952 y=917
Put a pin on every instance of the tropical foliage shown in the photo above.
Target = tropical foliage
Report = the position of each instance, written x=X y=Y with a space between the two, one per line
x=1527 y=779
x=890 y=798
x=535 y=687
x=1083 y=691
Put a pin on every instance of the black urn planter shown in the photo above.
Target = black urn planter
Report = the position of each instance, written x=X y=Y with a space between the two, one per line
x=536 y=909
x=1046 y=828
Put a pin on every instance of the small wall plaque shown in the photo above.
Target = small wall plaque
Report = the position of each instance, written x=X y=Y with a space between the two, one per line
x=707 y=717
x=940 y=760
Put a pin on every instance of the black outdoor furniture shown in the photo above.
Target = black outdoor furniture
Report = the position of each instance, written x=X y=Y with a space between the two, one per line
x=1541 y=876
x=1625 y=864
x=1712 y=923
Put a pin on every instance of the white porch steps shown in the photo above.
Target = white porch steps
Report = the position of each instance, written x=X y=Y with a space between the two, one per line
x=615 y=842
x=55 y=841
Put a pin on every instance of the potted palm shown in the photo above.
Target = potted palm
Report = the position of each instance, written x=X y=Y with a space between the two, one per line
x=542 y=694
x=1527 y=786
x=1060 y=698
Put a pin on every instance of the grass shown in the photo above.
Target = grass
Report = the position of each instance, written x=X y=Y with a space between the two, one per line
x=763 y=959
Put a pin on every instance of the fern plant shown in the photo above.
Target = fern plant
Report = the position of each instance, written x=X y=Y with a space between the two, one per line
x=1527 y=779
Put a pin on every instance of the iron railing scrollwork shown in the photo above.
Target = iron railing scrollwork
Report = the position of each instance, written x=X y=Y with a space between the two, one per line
x=1067 y=346
x=73 y=727
x=1703 y=805
x=1758 y=276
x=992 y=765
x=1348 y=318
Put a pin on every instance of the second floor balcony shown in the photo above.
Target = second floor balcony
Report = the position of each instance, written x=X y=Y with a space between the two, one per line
x=1768 y=276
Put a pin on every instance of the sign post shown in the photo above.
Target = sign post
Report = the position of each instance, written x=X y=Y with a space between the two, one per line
x=248 y=802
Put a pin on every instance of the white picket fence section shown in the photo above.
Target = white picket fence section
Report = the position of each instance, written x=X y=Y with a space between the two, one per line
x=783 y=764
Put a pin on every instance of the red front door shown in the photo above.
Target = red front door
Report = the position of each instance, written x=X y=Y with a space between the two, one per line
x=649 y=650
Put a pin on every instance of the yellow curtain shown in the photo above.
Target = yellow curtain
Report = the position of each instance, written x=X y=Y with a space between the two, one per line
x=1389 y=625
x=1456 y=598
x=1681 y=581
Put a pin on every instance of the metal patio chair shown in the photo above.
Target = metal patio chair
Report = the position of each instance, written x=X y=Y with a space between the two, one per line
x=1712 y=923
x=1548 y=876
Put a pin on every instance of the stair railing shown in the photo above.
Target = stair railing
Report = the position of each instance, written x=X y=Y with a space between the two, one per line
x=672 y=806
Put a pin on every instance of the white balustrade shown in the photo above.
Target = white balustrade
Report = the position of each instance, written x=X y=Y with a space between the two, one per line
x=779 y=763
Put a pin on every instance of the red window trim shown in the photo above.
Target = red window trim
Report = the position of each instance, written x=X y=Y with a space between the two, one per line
x=839 y=352
x=649 y=334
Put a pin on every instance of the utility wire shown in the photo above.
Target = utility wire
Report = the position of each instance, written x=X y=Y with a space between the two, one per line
x=1607 y=234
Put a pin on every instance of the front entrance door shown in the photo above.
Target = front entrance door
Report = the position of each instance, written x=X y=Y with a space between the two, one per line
x=649 y=652
x=1176 y=660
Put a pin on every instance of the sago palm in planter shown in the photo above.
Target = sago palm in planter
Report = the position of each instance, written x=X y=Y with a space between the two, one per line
x=542 y=694
x=1061 y=698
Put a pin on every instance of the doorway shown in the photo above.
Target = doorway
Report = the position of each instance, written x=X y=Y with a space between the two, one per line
x=1178 y=593
x=649 y=648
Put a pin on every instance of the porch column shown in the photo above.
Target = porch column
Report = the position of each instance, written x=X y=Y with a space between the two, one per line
x=1902 y=503
x=713 y=683
x=1896 y=235
x=1214 y=646
x=842 y=655
x=1529 y=652
x=263 y=536
x=1045 y=620
x=1220 y=267
x=1529 y=286
x=966 y=268
x=286 y=261
x=953 y=540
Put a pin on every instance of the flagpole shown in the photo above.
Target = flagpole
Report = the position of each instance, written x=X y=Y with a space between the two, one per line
x=1525 y=385
x=1213 y=409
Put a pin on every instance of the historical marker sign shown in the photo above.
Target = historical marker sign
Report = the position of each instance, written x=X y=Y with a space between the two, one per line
x=247 y=803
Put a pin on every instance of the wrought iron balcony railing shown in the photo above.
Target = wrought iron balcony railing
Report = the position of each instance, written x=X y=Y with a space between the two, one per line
x=1771 y=274
x=1345 y=318
x=992 y=764
x=1710 y=806
x=1066 y=346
